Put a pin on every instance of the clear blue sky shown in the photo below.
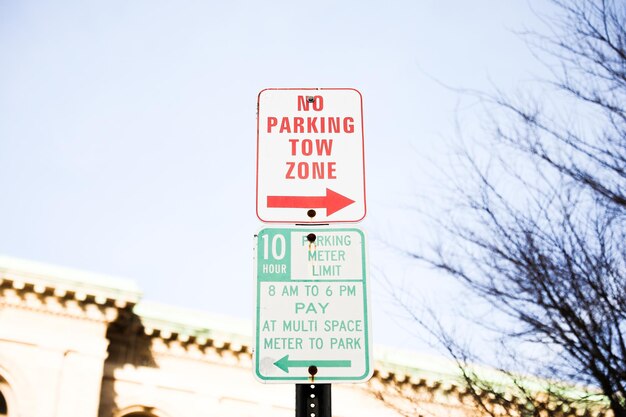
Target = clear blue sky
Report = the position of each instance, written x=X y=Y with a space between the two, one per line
x=127 y=128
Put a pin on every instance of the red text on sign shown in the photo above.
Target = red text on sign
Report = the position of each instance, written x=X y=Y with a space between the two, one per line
x=311 y=124
x=311 y=170
x=322 y=146
x=304 y=103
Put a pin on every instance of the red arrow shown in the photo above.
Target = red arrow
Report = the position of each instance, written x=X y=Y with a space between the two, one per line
x=332 y=201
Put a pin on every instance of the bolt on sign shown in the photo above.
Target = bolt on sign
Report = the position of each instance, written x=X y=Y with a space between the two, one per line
x=310 y=157
x=312 y=312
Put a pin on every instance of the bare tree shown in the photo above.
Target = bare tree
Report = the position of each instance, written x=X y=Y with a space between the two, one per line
x=538 y=228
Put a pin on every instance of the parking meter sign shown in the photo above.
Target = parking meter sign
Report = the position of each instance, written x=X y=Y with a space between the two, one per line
x=312 y=315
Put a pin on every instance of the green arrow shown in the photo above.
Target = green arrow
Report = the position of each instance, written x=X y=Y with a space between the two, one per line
x=284 y=363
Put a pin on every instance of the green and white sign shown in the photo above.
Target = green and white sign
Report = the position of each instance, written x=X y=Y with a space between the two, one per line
x=312 y=311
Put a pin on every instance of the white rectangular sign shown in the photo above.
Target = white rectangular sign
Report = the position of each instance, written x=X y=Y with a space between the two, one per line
x=310 y=157
x=312 y=316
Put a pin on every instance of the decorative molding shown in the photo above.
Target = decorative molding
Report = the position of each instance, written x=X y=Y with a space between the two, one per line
x=21 y=294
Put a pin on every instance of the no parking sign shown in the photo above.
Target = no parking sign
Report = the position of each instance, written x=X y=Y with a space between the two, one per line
x=310 y=156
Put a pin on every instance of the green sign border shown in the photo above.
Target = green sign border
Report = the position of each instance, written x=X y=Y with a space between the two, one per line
x=288 y=230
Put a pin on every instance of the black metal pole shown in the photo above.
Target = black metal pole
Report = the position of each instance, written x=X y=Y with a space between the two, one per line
x=313 y=400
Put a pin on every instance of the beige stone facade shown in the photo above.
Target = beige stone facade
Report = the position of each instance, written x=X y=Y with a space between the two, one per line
x=75 y=344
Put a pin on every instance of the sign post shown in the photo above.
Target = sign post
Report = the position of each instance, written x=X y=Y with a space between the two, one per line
x=312 y=322
x=313 y=399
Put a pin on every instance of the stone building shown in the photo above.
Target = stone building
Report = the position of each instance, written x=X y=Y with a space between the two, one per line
x=78 y=344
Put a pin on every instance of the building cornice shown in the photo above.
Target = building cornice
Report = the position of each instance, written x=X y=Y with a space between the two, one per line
x=66 y=283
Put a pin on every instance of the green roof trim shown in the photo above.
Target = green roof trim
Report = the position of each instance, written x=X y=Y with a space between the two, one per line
x=194 y=323
x=430 y=367
x=446 y=371
x=69 y=279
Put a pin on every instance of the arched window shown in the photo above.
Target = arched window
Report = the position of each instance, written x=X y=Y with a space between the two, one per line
x=138 y=411
x=8 y=405
x=4 y=410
